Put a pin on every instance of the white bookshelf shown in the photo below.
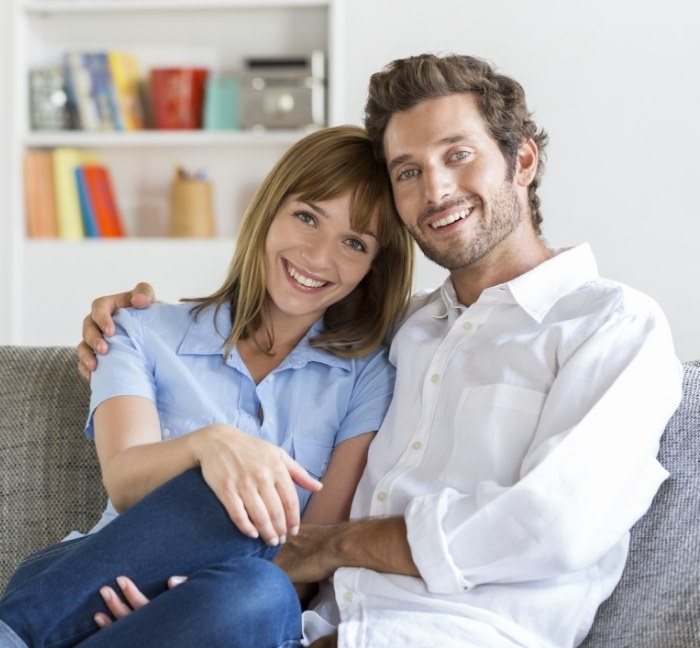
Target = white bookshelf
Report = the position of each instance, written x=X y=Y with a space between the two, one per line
x=53 y=281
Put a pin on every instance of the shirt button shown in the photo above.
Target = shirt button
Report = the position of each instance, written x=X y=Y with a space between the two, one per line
x=166 y=432
x=270 y=378
x=467 y=326
x=381 y=496
x=416 y=445
x=435 y=378
x=348 y=596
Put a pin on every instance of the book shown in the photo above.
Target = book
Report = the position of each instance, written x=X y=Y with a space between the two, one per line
x=69 y=214
x=38 y=194
x=81 y=102
x=101 y=197
x=126 y=84
x=89 y=218
x=101 y=90
x=47 y=99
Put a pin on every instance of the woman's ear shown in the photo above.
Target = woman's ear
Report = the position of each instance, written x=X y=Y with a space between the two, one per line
x=526 y=163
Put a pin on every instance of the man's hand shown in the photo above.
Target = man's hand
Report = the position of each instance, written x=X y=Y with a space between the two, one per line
x=135 y=599
x=316 y=552
x=312 y=555
x=99 y=323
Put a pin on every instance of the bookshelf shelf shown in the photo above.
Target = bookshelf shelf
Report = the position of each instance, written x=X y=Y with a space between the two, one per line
x=121 y=6
x=135 y=139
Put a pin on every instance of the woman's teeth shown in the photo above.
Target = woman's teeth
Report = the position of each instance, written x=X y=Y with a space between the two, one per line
x=304 y=281
x=451 y=218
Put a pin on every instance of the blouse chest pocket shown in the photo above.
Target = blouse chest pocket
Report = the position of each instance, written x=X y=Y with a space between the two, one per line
x=493 y=427
x=312 y=454
x=175 y=423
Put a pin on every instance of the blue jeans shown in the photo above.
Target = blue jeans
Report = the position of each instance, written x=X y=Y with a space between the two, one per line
x=234 y=596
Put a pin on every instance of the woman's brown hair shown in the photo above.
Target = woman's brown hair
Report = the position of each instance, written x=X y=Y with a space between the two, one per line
x=321 y=166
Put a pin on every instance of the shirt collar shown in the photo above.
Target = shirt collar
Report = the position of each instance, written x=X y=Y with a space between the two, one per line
x=537 y=290
x=203 y=339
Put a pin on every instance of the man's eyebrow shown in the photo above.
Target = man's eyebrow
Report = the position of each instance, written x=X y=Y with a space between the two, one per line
x=450 y=139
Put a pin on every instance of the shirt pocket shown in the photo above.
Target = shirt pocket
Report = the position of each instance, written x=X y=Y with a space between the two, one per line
x=493 y=427
x=312 y=454
x=175 y=423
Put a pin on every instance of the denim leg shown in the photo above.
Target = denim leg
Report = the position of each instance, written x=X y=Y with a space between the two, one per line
x=179 y=528
x=241 y=603
x=39 y=561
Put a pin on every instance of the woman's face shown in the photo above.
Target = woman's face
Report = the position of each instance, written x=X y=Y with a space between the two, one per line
x=313 y=257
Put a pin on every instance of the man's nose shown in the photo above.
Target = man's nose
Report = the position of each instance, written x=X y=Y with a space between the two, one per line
x=438 y=185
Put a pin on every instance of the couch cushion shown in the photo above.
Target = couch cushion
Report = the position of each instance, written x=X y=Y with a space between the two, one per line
x=50 y=480
x=657 y=603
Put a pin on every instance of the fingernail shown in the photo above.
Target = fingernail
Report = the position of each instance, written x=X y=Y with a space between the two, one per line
x=99 y=620
x=283 y=539
x=122 y=582
x=177 y=580
x=254 y=535
x=273 y=542
x=294 y=530
x=105 y=593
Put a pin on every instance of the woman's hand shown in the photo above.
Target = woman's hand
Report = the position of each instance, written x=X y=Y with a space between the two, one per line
x=254 y=480
x=135 y=599
x=99 y=323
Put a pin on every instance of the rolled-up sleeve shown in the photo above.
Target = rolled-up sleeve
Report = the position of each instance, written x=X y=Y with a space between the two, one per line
x=589 y=474
x=125 y=370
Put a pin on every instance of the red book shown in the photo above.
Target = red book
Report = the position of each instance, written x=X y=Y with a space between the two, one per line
x=101 y=196
x=177 y=97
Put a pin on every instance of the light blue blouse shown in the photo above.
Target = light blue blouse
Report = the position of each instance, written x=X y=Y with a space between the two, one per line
x=311 y=402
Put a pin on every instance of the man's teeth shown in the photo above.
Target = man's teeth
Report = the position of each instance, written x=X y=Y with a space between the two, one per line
x=304 y=281
x=451 y=218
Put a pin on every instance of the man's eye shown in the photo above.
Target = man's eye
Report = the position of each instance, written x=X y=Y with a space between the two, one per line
x=461 y=155
x=305 y=217
x=408 y=174
x=356 y=244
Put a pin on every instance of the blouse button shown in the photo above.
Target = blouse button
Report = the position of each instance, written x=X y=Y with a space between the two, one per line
x=416 y=445
x=166 y=432
x=467 y=326
x=381 y=496
x=348 y=596
x=435 y=378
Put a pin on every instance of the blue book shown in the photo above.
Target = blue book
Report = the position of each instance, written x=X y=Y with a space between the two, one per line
x=89 y=221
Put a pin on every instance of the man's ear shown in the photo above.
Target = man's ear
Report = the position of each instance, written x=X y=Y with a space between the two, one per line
x=526 y=163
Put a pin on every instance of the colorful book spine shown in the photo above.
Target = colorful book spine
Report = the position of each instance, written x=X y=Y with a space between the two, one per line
x=69 y=214
x=80 y=93
x=126 y=82
x=102 y=199
x=90 y=226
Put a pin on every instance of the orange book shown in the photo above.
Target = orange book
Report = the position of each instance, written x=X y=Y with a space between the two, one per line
x=40 y=201
x=104 y=205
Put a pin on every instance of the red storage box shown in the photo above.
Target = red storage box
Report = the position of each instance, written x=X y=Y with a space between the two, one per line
x=177 y=97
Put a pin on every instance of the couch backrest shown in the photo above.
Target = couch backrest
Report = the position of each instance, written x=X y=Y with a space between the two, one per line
x=49 y=477
x=657 y=603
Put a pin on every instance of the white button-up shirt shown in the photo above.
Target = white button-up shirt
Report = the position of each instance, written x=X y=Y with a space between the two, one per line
x=520 y=447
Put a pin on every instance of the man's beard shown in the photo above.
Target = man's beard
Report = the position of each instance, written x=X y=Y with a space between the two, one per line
x=503 y=216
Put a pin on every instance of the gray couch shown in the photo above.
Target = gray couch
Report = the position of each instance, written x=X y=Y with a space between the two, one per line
x=50 y=484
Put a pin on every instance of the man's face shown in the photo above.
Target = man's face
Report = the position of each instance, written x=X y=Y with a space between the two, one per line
x=450 y=180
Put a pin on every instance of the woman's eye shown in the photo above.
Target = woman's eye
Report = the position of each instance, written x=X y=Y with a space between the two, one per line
x=407 y=174
x=305 y=217
x=356 y=244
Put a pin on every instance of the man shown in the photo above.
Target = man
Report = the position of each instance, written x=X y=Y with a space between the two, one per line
x=520 y=446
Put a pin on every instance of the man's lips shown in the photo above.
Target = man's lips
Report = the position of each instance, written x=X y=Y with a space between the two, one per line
x=452 y=217
x=302 y=278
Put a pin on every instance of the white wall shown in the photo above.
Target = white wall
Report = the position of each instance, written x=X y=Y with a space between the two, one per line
x=617 y=86
x=5 y=146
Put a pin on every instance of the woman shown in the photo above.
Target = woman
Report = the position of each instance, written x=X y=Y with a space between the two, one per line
x=283 y=361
